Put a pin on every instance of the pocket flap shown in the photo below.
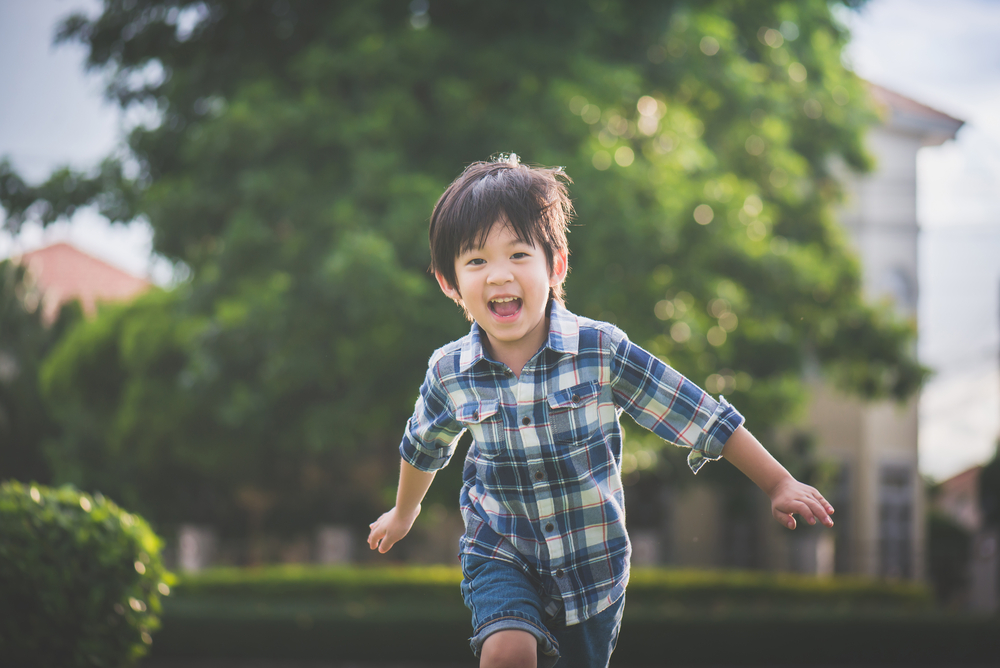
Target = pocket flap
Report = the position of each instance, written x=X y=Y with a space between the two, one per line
x=577 y=395
x=477 y=411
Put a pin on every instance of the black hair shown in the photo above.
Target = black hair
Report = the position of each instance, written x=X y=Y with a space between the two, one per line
x=533 y=201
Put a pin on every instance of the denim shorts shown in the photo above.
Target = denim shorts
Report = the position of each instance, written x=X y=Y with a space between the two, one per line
x=501 y=596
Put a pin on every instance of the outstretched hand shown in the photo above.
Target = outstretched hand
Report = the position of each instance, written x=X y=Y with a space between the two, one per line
x=791 y=496
x=390 y=528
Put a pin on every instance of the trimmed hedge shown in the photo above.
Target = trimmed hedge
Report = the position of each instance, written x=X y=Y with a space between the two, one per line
x=658 y=590
x=665 y=592
x=80 y=579
x=431 y=583
x=672 y=616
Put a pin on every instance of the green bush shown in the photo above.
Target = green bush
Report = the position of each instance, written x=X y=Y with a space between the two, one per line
x=80 y=579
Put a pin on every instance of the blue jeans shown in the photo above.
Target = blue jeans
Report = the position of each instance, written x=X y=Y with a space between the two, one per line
x=502 y=597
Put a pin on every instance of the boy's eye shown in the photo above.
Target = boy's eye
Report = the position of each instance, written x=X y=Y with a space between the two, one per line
x=477 y=261
x=519 y=256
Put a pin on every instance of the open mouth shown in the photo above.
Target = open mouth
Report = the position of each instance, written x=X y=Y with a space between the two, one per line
x=505 y=307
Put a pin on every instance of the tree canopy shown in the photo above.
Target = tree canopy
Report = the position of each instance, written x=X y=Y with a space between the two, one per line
x=300 y=147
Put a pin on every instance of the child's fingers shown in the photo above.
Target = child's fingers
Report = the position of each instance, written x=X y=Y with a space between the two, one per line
x=785 y=519
x=827 y=507
x=818 y=509
x=810 y=510
x=376 y=535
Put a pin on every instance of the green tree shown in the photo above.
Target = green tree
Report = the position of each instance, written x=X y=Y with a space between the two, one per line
x=25 y=339
x=300 y=147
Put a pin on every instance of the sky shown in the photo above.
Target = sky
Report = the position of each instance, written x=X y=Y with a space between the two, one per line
x=945 y=55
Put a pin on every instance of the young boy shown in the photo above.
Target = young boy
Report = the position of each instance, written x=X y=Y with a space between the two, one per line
x=545 y=554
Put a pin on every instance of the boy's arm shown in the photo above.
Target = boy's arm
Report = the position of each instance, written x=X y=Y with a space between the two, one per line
x=787 y=494
x=388 y=529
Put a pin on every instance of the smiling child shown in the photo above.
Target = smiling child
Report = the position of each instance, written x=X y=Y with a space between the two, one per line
x=545 y=553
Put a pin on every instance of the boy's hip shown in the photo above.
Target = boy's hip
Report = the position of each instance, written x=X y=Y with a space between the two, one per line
x=504 y=596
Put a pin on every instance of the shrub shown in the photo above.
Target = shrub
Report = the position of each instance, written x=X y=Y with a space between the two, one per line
x=80 y=579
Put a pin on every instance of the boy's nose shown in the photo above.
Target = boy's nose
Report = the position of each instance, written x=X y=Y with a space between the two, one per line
x=499 y=276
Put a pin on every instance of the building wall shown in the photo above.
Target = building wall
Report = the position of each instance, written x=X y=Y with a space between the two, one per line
x=876 y=443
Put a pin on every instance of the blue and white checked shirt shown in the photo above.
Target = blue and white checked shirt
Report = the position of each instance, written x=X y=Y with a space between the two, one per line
x=542 y=480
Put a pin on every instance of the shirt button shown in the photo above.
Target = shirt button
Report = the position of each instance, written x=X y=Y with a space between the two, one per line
x=549 y=526
x=539 y=476
x=475 y=415
x=526 y=420
x=576 y=398
x=559 y=573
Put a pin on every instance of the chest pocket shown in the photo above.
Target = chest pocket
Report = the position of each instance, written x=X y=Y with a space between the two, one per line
x=573 y=415
x=482 y=420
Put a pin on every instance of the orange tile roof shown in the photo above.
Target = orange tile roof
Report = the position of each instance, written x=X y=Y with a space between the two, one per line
x=63 y=273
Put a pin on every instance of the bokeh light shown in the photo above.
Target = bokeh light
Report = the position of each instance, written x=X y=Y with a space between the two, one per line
x=813 y=108
x=716 y=336
x=770 y=37
x=624 y=156
x=756 y=230
x=754 y=145
x=753 y=205
x=664 y=309
x=680 y=332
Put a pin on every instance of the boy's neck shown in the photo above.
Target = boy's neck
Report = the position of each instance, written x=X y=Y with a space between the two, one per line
x=517 y=353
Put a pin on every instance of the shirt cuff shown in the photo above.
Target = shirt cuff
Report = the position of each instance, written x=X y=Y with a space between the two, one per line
x=724 y=421
x=423 y=459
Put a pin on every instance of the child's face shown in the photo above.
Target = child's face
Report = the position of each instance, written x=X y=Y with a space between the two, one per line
x=505 y=287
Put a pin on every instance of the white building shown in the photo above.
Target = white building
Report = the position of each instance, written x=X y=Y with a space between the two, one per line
x=882 y=527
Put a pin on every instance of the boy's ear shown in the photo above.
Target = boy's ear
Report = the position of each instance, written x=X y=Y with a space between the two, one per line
x=560 y=265
x=447 y=288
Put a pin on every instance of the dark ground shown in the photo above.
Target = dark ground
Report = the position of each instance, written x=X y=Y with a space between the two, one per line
x=223 y=663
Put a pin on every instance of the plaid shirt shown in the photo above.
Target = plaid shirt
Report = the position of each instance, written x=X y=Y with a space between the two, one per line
x=542 y=480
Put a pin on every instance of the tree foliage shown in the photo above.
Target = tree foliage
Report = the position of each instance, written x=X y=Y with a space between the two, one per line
x=299 y=151
x=25 y=340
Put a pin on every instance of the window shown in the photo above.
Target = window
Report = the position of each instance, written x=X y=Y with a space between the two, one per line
x=896 y=521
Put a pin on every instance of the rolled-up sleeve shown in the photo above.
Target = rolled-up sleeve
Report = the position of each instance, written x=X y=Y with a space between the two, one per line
x=432 y=432
x=671 y=406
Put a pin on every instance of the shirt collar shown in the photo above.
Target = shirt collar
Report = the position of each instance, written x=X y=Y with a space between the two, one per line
x=564 y=330
x=564 y=337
